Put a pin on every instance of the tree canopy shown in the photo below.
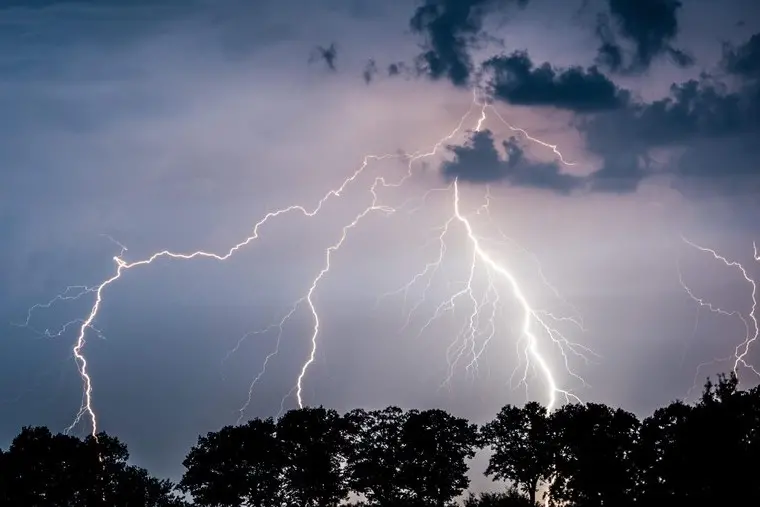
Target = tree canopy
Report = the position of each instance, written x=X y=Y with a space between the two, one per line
x=41 y=469
x=580 y=455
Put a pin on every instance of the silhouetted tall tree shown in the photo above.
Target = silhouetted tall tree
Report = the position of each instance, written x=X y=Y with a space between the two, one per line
x=523 y=447
x=315 y=443
x=375 y=462
x=4 y=476
x=726 y=421
x=43 y=470
x=509 y=498
x=595 y=456
x=666 y=453
x=240 y=465
x=707 y=453
x=436 y=446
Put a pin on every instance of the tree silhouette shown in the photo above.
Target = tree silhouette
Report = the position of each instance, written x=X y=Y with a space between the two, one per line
x=666 y=452
x=726 y=422
x=707 y=453
x=595 y=456
x=523 y=447
x=315 y=446
x=43 y=470
x=509 y=498
x=435 y=447
x=4 y=476
x=137 y=489
x=375 y=462
x=240 y=465
x=591 y=455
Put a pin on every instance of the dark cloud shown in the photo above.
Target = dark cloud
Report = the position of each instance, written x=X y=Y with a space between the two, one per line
x=743 y=61
x=516 y=80
x=451 y=28
x=695 y=109
x=327 y=55
x=649 y=26
x=478 y=161
x=713 y=127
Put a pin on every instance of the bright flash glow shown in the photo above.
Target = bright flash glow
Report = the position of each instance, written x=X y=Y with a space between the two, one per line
x=537 y=330
x=750 y=322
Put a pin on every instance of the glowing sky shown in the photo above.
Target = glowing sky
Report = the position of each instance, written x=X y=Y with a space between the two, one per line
x=179 y=124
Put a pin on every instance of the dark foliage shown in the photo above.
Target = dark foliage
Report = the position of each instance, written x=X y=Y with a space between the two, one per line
x=240 y=465
x=375 y=464
x=315 y=444
x=594 y=462
x=583 y=455
x=523 y=447
x=509 y=498
x=436 y=447
x=45 y=470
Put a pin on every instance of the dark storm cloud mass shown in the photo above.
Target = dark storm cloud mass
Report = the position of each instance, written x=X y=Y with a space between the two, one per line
x=743 y=61
x=478 y=161
x=451 y=28
x=710 y=123
x=713 y=125
x=695 y=109
x=649 y=26
x=517 y=81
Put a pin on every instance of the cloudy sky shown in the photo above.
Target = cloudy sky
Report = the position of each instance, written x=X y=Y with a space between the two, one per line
x=179 y=125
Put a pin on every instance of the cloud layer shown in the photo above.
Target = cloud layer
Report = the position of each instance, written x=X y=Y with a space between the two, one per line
x=648 y=26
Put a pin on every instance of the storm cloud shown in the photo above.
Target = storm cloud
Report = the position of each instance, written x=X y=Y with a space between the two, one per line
x=478 y=161
x=744 y=60
x=647 y=26
x=451 y=28
x=515 y=80
x=710 y=125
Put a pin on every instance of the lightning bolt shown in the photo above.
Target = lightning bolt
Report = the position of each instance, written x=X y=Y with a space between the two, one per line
x=487 y=306
x=750 y=322
x=530 y=316
x=536 y=324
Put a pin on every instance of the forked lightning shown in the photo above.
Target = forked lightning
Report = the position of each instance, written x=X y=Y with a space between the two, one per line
x=750 y=322
x=537 y=332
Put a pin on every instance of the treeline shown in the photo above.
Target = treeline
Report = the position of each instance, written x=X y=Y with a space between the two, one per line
x=583 y=455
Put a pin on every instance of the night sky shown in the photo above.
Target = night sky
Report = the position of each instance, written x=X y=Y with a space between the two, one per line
x=179 y=125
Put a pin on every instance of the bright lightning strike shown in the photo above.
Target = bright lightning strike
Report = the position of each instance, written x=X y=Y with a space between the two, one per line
x=751 y=324
x=537 y=325
x=487 y=307
x=530 y=315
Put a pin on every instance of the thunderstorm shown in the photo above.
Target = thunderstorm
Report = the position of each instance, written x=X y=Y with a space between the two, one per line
x=484 y=319
x=537 y=333
x=361 y=253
